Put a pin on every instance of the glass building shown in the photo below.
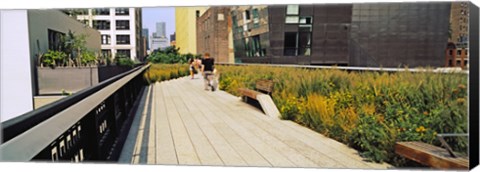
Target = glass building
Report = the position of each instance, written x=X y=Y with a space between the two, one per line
x=364 y=34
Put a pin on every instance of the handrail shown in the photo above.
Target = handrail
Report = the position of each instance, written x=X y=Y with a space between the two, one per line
x=28 y=143
x=378 y=69
x=22 y=123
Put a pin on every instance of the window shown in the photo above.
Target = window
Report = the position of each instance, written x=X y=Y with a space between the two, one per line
x=197 y=13
x=234 y=21
x=121 y=11
x=123 y=39
x=101 y=11
x=86 y=22
x=297 y=43
x=123 y=52
x=105 y=39
x=290 y=44
x=255 y=13
x=101 y=24
x=466 y=52
x=304 y=42
x=305 y=20
x=459 y=52
x=220 y=17
x=55 y=39
x=106 y=53
x=253 y=47
x=291 y=19
x=247 y=15
x=122 y=24
x=292 y=9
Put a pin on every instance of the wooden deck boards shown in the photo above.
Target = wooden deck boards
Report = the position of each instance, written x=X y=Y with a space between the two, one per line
x=191 y=126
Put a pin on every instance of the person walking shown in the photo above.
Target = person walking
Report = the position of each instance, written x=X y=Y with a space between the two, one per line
x=207 y=70
x=192 y=67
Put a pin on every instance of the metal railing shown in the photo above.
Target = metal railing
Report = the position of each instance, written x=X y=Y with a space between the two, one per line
x=89 y=125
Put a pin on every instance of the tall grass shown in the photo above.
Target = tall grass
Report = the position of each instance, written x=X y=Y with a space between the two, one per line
x=162 y=72
x=368 y=111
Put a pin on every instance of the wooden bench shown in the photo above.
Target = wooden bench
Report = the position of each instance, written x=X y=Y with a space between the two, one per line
x=262 y=86
x=430 y=155
x=262 y=94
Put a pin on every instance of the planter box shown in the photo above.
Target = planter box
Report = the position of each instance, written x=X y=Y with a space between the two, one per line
x=73 y=79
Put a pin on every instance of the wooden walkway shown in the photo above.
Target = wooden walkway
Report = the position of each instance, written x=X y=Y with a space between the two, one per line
x=179 y=123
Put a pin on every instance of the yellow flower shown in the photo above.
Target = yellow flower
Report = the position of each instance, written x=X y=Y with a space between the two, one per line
x=461 y=86
x=420 y=129
x=460 y=101
x=425 y=113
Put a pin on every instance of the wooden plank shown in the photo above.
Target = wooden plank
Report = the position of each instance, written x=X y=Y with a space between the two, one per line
x=165 y=149
x=333 y=144
x=264 y=85
x=272 y=156
x=226 y=153
x=206 y=154
x=278 y=156
x=249 y=93
x=183 y=146
x=429 y=155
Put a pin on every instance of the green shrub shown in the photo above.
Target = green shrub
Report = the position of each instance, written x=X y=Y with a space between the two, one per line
x=53 y=58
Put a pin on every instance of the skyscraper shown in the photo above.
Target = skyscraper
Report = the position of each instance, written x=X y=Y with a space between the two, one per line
x=146 y=35
x=161 y=29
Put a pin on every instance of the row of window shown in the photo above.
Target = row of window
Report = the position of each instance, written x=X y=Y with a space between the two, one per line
x=121 y=39
x=120 y=52
x=105 y=24
x=106 y=11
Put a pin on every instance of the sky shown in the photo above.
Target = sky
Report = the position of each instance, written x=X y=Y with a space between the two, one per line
x=150 y=16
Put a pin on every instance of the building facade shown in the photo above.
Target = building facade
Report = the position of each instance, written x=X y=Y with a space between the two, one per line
x=159 y=38
x=457 y=54
x=213 y=30
x=120 y=28
x=24 y=35
x=185 y=28
x=368 y=34
x=161 y=30
x=145 y=34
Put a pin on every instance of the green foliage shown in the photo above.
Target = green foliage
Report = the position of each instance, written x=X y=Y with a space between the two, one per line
x=53 y=58
x=368 y=111
x=73 y=52
x=88 y=58
x=123 y=60
x=170 y=55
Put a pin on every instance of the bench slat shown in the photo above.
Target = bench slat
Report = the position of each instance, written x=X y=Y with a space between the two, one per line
x=430 y=155
x=249 y=93
x=264 y=85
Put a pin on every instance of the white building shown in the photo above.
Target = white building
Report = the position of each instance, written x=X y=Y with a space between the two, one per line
x=159 y=42
x=120 y=28
x=159 y=38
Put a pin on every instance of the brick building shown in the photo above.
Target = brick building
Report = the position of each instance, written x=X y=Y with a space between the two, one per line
x=457 y=52
x=214 y=34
